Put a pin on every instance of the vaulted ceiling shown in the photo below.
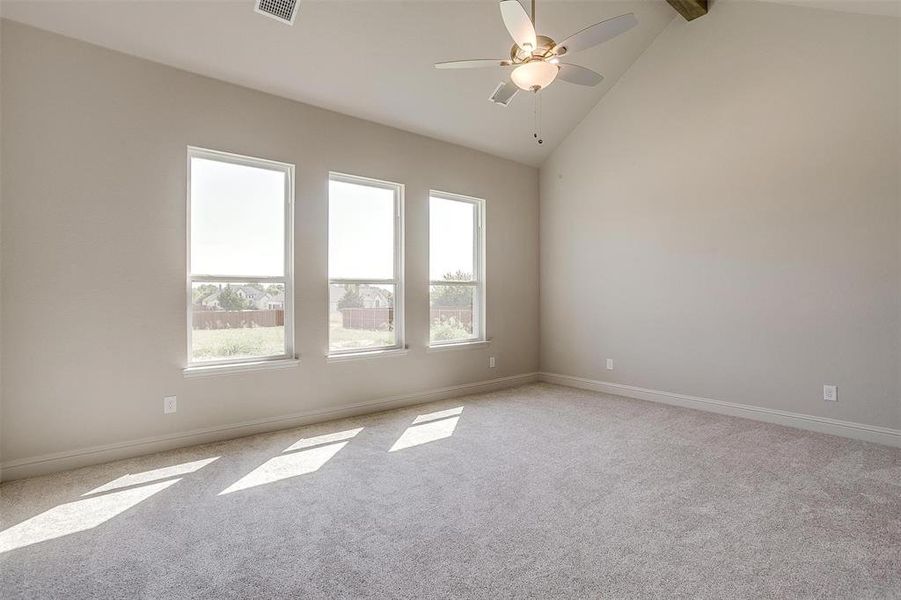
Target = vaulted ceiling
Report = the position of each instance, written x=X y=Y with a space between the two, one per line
x=371 y=59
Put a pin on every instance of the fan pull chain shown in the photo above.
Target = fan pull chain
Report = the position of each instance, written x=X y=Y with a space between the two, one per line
x=537 y=128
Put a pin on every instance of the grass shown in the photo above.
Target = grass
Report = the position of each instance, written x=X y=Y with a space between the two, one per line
x=447 y=330
x=246 y=342
x=251 y=342
x=348 y=339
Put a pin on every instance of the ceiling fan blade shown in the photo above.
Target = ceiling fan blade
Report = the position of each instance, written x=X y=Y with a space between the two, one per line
x=578 y=75
x=473 y=64
x=596 y=34
x=517 y=22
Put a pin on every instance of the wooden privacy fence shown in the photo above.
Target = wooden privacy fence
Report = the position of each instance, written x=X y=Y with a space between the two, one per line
x=367 y=318
x=235 y=319
x=462 y=316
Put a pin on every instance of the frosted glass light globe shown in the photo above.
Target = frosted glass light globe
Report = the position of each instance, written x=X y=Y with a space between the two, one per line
x=534 y=75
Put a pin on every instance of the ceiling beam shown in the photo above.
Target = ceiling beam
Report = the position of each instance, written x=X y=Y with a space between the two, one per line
x=690 y=9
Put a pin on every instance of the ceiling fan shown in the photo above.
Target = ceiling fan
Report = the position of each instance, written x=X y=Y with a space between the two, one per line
x=535 y=59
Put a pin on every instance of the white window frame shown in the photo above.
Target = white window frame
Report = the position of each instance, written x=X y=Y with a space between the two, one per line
x=397 y=281
x=287 y=280
x=478 y=281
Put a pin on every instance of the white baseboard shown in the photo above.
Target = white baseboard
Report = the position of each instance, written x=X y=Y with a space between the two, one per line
x=61 y=461
x=848 y=429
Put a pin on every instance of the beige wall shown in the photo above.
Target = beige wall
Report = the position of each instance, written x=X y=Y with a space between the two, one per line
x=725 y=223
x=93 y=261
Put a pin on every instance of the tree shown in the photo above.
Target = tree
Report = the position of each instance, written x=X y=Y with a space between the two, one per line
x=229 y=299
x=351 y=298
x=453 y=295
x=203 y=290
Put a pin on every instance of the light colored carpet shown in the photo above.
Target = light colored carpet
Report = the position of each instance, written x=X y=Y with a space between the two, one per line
x=535 y=492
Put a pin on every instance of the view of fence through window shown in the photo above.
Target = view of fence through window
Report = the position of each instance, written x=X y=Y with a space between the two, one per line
x=239 y=266
x=455 y=291
x=364 y=264
x=239 y=262
x=361 y=316
x=237 y=320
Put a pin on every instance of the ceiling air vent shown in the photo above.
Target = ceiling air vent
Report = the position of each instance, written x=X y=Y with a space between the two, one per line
x=503 y=93
x=280 y=10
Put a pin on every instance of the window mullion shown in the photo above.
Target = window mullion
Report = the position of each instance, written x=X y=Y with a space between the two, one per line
x=363 y=281
x=240 y=278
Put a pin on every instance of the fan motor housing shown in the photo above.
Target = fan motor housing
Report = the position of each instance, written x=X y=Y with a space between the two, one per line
x=545 y=45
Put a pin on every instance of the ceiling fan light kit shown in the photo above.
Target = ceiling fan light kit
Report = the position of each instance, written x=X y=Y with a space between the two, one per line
x=536 y=58
x=534 y=75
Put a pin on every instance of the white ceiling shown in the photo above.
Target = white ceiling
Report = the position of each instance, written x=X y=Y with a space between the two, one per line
x=371 y=59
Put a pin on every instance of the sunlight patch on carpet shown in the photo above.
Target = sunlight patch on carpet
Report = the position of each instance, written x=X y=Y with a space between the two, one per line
x=304 y=456
x=429 y=427
x=152 y=475
x=77 y=516
x=323 y=439
x=440 y=414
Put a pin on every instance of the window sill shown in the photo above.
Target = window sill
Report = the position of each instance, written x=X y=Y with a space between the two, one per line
x=229 y=369
x=351 y=356
x=473 y=345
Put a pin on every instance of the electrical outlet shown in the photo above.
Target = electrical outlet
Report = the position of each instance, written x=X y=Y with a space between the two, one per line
x=830 y=393
x=170 y=404
x=609 y=364
x=491 y=363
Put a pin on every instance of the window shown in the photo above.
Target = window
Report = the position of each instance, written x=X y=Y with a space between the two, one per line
x=240 y=232
x=365 y=264
x=456 y=269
